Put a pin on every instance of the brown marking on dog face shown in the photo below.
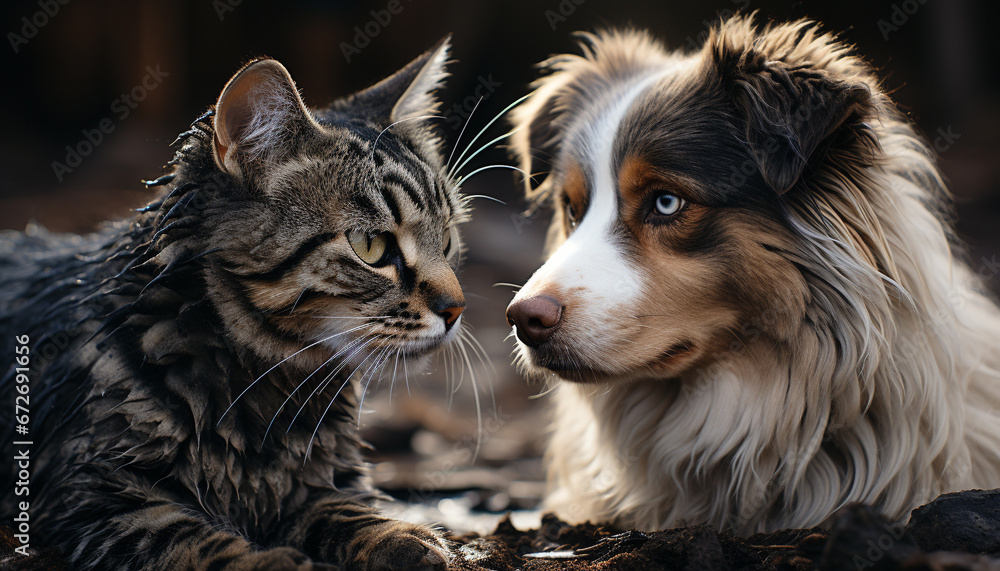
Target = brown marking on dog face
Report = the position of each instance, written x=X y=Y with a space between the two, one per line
x=634 y=177
x=640 y=183
x=713 y=278
x=575 y=196
x=638 y=175
x=685 y=311
x=716 y=298
x=771 y=289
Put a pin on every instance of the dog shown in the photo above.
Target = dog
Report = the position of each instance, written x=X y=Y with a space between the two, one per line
x=753 y=306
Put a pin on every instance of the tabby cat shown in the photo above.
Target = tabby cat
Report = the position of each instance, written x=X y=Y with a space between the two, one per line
x=195 y=371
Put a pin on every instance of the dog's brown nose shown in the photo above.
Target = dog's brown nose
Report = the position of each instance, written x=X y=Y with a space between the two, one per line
x=535 y=318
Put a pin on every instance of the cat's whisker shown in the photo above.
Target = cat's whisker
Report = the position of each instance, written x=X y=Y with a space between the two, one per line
x=323 y=340
x=327 y=409
x=406 y=377
x=375 y=144
x=488 y=167
x=297 y=300
x=462 y=132
x=457 y=371
x=515 y=287
x=321 y=386
x=446 y=358
x=368 y=317
x=480 y=353
x=453 y=364
x=297 y=387
x=475 y=394
x=478 y=350
x=320 y=422
x=332 y=374
x=326 y=382
x=380 y=370
x=290 y=395
x=392 y=381
x=472 y=196
x=458 y=169
x=459 y=367
x=451 y=172
x=370 y=373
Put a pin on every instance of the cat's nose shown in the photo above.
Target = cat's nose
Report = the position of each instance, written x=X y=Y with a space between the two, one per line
x=449 y=309
x=535 y=319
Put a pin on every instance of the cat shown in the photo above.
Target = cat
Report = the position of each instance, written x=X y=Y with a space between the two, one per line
x=193 y=372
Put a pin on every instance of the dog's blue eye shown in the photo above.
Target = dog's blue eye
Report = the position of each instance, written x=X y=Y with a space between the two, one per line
x=668 y=204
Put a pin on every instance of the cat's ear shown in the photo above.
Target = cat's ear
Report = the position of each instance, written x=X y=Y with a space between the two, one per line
x=258 y=119
x=788 y=105
x=428 y=75
x=410 y=92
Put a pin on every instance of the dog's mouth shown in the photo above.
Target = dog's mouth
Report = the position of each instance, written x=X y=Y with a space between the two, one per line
x=574 y=370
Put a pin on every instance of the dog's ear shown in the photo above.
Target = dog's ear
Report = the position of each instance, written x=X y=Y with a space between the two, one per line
x=783 y=89
x=537 y=124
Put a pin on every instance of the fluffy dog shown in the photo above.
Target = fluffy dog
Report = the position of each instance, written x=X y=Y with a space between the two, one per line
x=754 y=301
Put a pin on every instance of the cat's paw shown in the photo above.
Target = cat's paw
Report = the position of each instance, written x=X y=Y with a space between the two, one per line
x=276 y=559
x=398 y=546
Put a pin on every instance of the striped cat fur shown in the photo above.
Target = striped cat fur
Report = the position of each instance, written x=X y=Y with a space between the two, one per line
x=196 y=369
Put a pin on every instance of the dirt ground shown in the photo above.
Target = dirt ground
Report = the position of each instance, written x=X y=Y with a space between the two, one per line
x=858 y=541
x=585 y=547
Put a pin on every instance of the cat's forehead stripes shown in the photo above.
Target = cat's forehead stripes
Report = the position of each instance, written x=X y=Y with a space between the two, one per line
x=418 y=180
x=411 y=194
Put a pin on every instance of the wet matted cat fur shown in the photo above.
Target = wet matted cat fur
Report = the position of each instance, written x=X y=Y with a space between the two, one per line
x=195 y=370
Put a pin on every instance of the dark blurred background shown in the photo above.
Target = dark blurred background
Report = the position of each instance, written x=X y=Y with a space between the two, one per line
x=67 y=64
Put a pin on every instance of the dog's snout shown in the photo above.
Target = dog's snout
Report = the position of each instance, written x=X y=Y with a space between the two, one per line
x=535 y=318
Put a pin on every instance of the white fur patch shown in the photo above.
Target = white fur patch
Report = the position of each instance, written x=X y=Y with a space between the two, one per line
x=590 y=261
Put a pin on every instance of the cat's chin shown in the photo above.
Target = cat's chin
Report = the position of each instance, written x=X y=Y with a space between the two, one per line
x=416 y=353
x=421 y=348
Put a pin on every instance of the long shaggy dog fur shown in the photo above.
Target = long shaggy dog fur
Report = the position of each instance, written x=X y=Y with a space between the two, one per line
x=803 y=335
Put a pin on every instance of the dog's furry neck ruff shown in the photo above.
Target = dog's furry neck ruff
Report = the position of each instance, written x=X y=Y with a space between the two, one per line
x=885 y=391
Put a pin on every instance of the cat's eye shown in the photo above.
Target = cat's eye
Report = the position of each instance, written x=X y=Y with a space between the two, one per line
x=668 y=204
x=371 y=248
